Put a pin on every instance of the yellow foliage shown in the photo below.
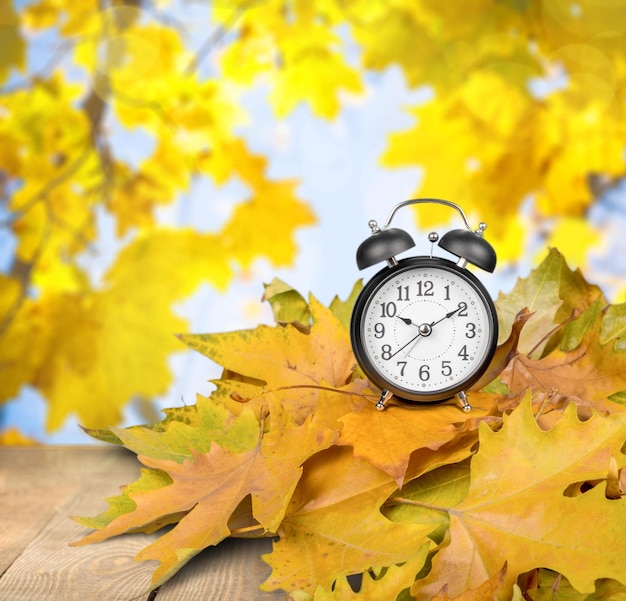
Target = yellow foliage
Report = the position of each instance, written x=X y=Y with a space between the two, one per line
x=527 y=106
x=11 y=43
x=13 y=437
x=573 y=236
x=444 y=504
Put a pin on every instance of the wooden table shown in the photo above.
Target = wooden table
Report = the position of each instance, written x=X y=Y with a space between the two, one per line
x=40 y=487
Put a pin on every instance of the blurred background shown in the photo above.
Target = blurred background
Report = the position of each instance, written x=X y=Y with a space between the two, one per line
x=161 y=161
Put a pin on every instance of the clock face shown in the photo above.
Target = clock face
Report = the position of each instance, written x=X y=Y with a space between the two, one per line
x=424 y=329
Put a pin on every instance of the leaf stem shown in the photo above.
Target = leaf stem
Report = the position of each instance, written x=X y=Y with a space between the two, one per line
x=404 y=501
x=311 y=386
x=245 y=529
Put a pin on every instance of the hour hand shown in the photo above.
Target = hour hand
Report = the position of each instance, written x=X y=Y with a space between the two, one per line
x=406 y=320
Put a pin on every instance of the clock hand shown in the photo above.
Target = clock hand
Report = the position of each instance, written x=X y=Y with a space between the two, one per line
x=407 y=321
x=407 y=344
x=446 y=316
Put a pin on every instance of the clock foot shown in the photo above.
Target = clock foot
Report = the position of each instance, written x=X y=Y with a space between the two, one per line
x=385 y=396
x=464 y=402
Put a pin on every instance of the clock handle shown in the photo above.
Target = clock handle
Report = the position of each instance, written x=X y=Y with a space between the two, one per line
x=440 y=201
x=385 y=243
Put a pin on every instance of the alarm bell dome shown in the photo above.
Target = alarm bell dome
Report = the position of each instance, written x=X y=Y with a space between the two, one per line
x=382 y=245
x=470 y=246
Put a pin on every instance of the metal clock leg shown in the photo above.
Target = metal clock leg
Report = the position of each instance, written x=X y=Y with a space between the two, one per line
x=463 y=401
x=385 y=396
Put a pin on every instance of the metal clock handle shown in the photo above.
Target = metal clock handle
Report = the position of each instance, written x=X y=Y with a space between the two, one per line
x=440 y=201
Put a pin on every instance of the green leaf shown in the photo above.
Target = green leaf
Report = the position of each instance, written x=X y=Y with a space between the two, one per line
x=288 y=305
x=178 y=440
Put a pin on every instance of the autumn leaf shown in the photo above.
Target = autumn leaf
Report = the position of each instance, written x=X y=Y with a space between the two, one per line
x=288 y=305
x=547 y=584
x=322 y=357
x=177 y=439
x=394 y=435
x=431 y=499
x=591 y=370
x=551 y=293
x=501 y=507
x=386 y=586
x=334 y=525
x=208 y=487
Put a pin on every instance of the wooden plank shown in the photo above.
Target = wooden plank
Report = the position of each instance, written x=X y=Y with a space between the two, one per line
x=47 y=568
x=35 y=482
x=232 y=570
x=42 y=487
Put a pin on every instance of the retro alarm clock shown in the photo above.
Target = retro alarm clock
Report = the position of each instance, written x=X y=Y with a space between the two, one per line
x=424 y=328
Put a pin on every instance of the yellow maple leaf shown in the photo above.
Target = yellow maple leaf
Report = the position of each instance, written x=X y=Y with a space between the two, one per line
x=208 y=487
x=253 y=230
x=393 y=435
x=107 y=346
x=334 y=525
x=284 y=356
x=501 y=507
x=317 y=76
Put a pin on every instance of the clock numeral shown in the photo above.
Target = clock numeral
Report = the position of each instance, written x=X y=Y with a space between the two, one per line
x=447 y=289
x=388 y=309
x=425 y=288
x=379 y=330
x=385 y=352
x=402 y=366
x=446 y=368
x=424 y=373
x=462 y=310
x=471 y=330
x=403 y=293
x=463 y=353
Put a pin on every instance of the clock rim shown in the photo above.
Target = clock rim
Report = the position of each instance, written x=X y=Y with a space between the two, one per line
x=369 y=368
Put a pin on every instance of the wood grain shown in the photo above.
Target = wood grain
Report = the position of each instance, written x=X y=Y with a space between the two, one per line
x=41 y=487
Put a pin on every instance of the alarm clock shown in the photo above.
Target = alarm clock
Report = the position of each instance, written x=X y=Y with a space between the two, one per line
x=424 y=328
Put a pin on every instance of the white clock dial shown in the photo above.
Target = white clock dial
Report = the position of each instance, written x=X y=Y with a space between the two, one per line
x=426 y=330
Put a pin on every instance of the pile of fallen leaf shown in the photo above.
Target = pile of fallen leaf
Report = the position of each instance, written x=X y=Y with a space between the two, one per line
x=522 y=498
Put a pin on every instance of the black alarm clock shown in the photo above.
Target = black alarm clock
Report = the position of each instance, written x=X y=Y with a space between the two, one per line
x=424 y=328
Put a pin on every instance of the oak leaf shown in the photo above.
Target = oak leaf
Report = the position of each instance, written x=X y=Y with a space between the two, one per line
x=501 y=511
